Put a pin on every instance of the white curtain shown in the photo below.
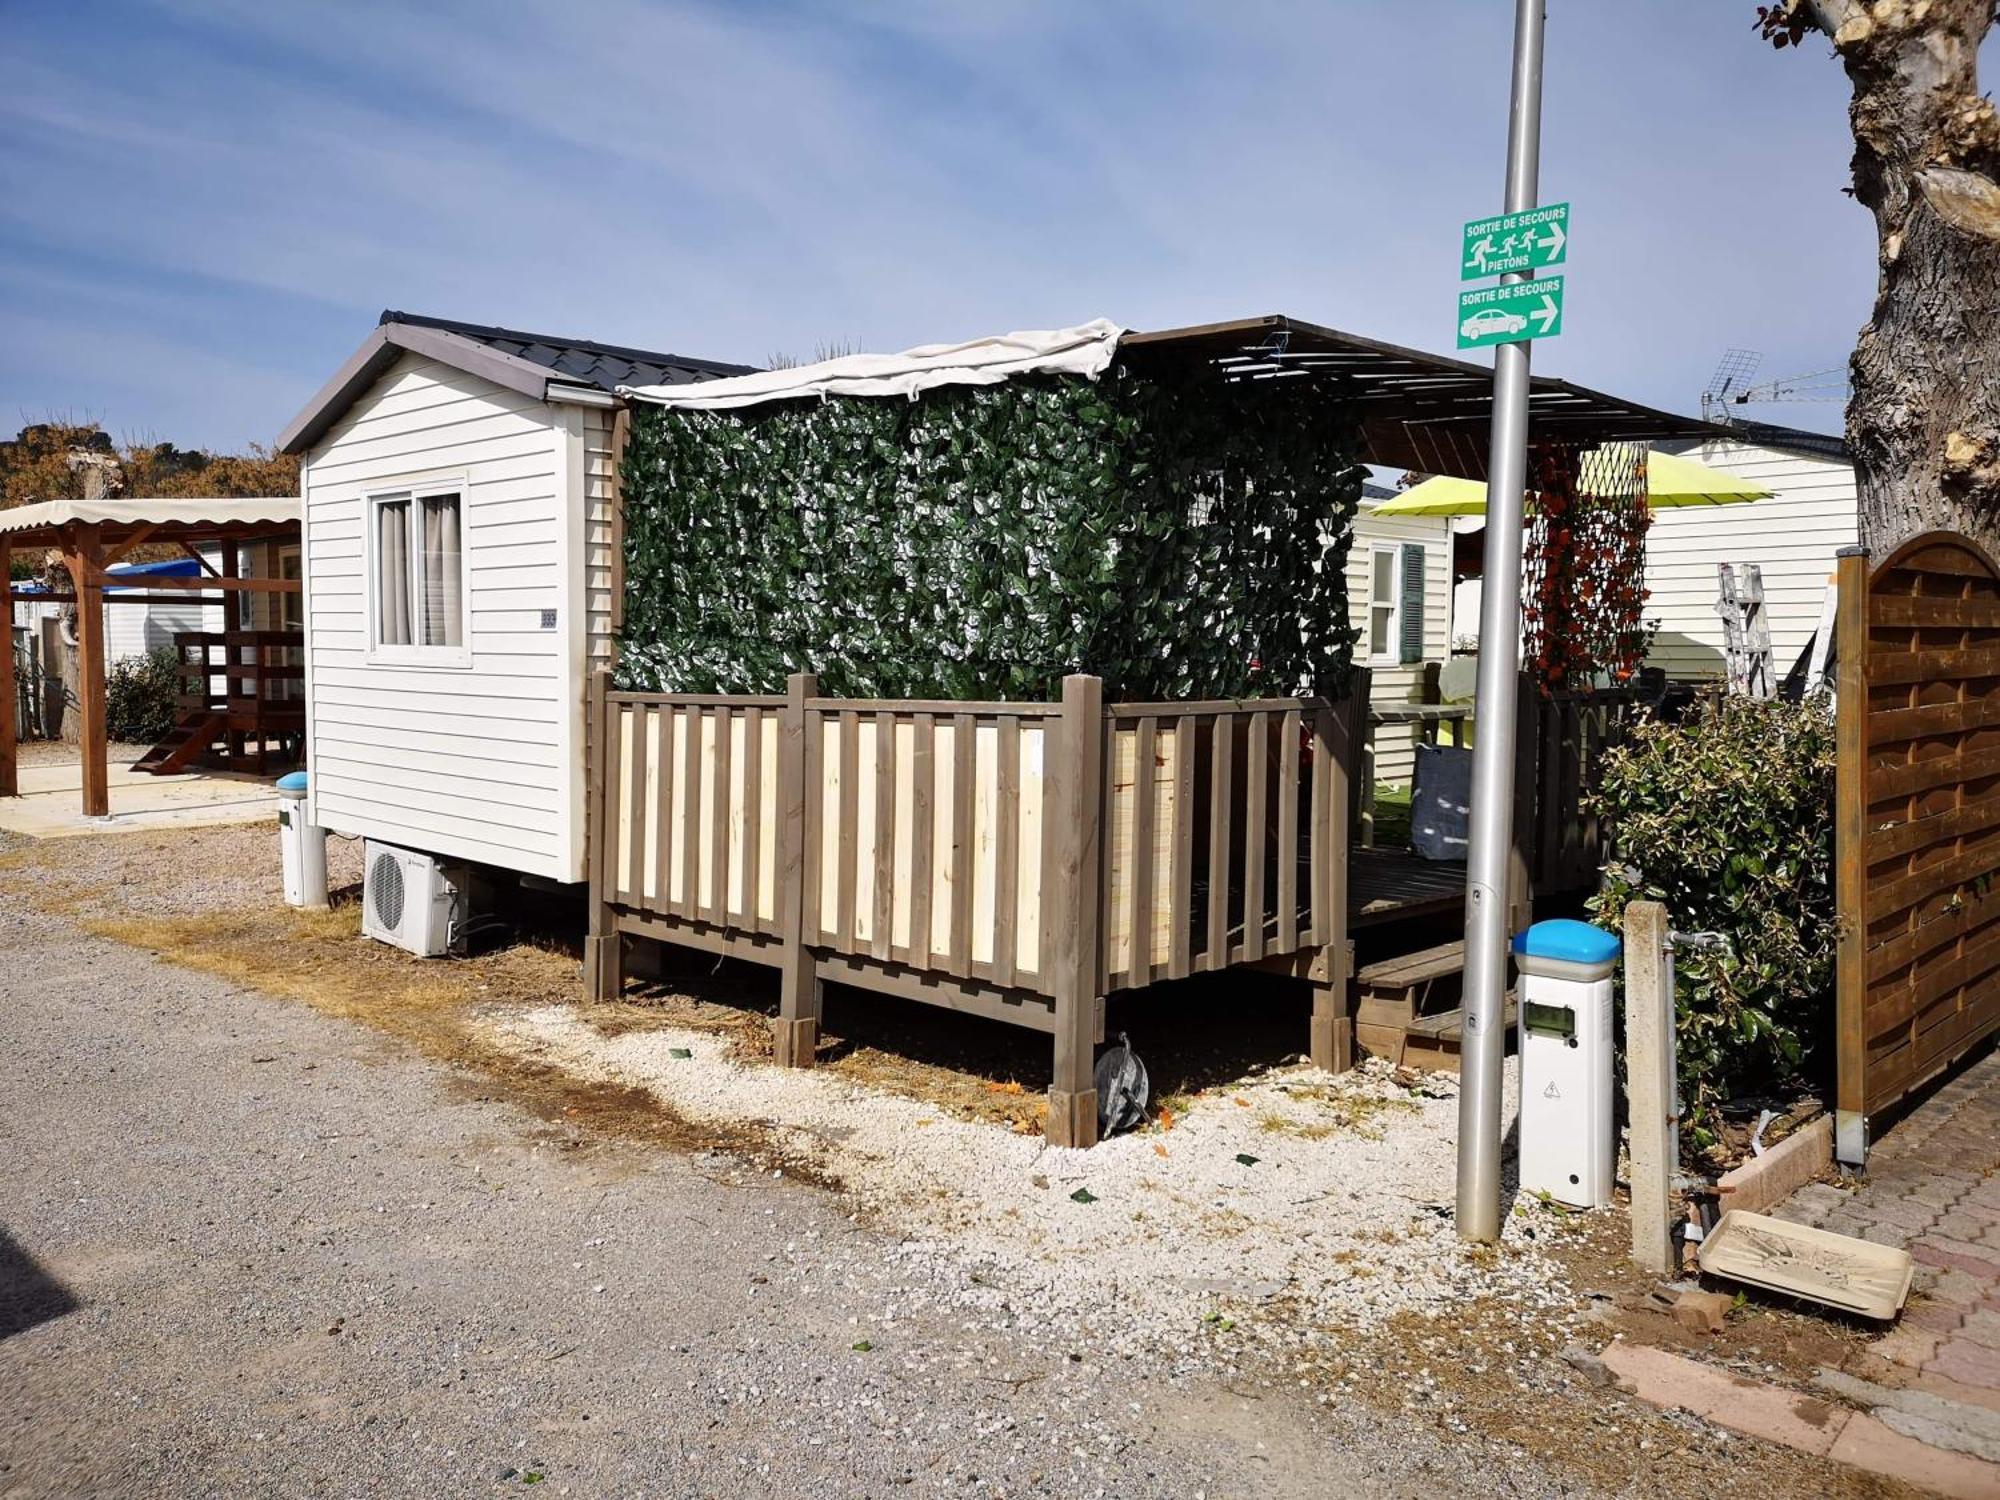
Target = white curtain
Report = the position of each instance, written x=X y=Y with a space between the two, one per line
x=392 y=573
x=442 y=623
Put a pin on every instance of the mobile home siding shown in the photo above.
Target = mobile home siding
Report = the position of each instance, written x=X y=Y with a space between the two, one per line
x=1792 y=537
x=1397 y=681
x=480 y=761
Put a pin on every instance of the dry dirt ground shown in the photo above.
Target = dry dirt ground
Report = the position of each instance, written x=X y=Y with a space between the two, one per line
x=1276 y=1245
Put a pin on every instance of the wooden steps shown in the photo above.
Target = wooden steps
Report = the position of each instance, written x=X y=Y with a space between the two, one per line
x=187 y=742
x=1407 y=1008
x=1432 y=1042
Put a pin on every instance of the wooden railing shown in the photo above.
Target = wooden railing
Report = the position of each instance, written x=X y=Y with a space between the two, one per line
x=1226 y=833
x=928 y=834
x=1573 y=731
x=1015 y=860
x=219 y=668
x=1560 y=741
x=694 y=811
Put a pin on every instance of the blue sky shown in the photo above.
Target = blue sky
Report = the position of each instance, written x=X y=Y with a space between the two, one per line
x=204 y=206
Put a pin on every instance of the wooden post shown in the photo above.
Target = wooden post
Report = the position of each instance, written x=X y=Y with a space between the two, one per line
x=1649 y=1084
x=1078 y=809
x=1332 y=1037
x=232 y=611
x=1850 y=857
x=604 y=947
x=795 y=1031
x=1361 y=753
x=10 y=784
x=81 y=558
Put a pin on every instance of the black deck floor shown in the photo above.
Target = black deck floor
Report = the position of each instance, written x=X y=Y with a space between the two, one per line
x=1387 y=885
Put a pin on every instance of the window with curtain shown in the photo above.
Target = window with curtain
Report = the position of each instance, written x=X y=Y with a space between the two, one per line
x=419 y=598
x=392 y=573
x=439 y=617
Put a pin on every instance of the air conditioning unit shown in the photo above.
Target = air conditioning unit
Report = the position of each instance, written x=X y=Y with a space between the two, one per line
x=414 y=901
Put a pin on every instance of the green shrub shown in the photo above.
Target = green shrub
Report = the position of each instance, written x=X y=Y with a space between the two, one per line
x=1726 y=817
x=1179 y=538
x=141 y=696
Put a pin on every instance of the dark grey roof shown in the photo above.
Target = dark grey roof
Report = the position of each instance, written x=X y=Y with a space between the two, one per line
x=581 y=361
x=535 y=364
x=1797 y=439
x=1372 y=491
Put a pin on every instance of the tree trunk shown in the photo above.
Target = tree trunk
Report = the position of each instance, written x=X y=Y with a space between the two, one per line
x=1924 y=421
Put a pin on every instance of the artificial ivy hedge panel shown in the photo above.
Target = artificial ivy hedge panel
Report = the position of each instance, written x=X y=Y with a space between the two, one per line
x=1178 y=540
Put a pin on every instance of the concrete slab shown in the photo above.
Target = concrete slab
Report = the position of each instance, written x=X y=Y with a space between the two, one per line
x=1929 y=1453
x=1666 y=1380
x=1865 y=1442
x=50 y=804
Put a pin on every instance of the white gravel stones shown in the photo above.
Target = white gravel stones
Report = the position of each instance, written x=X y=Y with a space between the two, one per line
x=1342 y=1215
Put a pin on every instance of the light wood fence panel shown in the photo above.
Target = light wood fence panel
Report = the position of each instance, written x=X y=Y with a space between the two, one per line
x=692 y=792
x=1017 y=861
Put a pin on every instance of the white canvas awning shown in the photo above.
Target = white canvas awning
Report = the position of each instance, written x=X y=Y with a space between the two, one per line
x=1085 y=350
x=44 y=515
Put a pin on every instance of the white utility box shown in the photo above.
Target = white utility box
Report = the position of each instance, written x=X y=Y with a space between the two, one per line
x=302 y=845
x=1567 y=1145
x=414 y=901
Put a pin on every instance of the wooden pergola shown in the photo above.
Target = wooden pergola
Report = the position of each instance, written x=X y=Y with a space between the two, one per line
x=93 y=536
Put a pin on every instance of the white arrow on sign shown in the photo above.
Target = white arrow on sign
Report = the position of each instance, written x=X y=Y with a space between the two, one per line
x=1548 y=312
x=1556 y=240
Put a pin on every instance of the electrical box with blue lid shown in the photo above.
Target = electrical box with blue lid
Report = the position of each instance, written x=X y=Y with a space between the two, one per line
x=302 y=845
x=1566 y=1143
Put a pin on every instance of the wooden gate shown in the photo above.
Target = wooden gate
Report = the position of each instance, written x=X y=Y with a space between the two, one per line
x=1917 y=830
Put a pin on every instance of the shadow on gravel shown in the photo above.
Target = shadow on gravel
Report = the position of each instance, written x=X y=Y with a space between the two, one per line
x=28 y=1294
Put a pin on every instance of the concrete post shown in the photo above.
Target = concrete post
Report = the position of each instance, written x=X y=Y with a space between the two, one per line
x=1649 y=1083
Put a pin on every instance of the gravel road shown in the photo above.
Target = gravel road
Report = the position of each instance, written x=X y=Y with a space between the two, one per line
x=246 y=1249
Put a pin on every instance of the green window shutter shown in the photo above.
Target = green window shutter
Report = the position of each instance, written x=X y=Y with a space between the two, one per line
x=1410 y=604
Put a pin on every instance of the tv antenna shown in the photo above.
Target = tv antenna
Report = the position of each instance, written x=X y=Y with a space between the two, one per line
x=1731 y=385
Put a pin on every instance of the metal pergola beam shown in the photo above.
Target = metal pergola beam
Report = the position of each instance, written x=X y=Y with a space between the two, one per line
x=1417 y=410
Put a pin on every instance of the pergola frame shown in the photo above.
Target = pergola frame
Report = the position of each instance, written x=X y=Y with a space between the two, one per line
x=94 y=535
x=1418 y=411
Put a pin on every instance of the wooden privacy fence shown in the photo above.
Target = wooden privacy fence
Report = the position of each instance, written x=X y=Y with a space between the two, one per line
x=1917 y=821
x=1571 y=733
x=1013 y=860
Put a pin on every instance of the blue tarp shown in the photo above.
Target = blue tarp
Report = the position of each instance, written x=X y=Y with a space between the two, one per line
x=172 y=567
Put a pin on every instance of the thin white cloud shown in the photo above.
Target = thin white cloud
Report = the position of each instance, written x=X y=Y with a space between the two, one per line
x=733 y=181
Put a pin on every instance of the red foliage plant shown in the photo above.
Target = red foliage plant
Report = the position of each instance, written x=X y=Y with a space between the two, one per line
x=1583 y=576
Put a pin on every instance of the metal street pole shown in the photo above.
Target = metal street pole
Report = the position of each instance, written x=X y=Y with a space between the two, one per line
x=1492 y=829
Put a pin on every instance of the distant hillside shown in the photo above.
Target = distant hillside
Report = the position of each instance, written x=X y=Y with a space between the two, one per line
x=68 y=460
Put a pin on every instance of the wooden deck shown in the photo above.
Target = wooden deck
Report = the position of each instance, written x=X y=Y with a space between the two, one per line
x=1386 y=885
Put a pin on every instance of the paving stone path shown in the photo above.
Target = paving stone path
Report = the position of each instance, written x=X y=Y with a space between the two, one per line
x=1933 y=1188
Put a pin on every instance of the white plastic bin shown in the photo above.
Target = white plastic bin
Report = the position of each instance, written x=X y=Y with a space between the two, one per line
x=303 y=845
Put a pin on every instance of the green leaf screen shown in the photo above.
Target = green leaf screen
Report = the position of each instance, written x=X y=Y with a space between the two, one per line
x=1180 y=539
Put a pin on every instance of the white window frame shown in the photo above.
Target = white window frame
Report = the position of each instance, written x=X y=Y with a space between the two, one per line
x=1393 y=655
x=416 y=493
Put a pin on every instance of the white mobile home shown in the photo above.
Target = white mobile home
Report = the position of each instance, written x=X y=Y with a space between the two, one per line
x=458 y=488
x=1792 y=536
x=1399 y=600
